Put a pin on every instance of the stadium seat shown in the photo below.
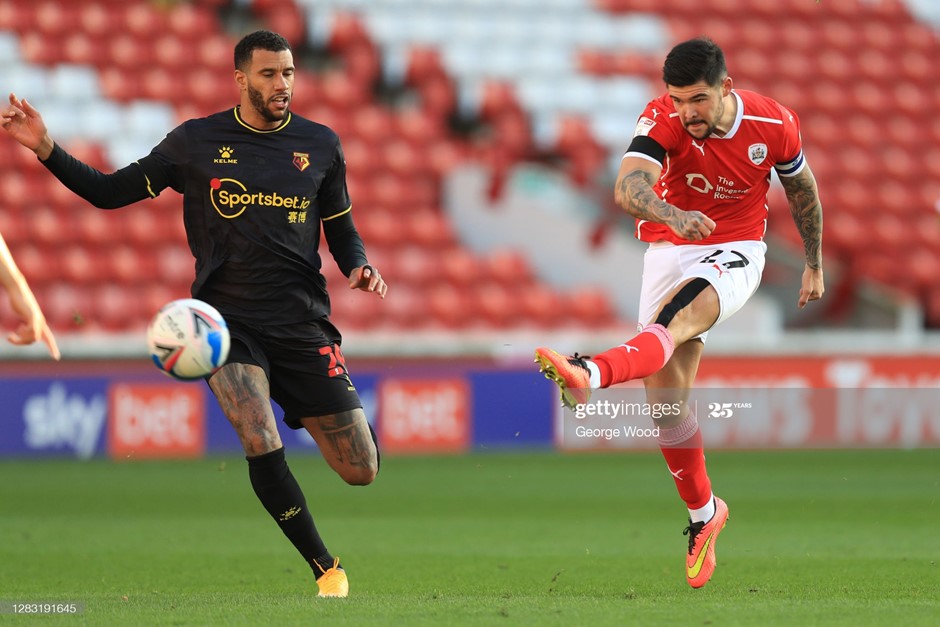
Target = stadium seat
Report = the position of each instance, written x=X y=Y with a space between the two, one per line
x=141 y=20
x=449 y=307
x=97 y=20
x=54 y=19
x=429 y=229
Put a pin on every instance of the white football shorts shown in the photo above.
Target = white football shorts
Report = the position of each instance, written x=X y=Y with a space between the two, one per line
x=733 y=268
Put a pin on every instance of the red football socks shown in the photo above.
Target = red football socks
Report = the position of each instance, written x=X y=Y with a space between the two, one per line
x=636 y=359
x=682 y=447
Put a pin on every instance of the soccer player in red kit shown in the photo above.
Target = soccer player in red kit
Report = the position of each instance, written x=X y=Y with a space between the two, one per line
x=696 y=177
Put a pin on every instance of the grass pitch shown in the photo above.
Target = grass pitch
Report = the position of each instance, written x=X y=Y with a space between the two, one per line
x=814 y=538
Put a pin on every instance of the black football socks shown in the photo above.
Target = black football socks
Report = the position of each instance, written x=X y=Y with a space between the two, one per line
x=281 y=496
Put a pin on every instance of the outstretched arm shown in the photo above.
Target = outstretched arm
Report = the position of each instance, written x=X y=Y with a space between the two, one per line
x=634 y=193
x=806 y=209
x=33 y=324
x=107 y=191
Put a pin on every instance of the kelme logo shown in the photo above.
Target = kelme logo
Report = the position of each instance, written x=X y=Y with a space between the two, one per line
x=231 y=198
x=225 y=155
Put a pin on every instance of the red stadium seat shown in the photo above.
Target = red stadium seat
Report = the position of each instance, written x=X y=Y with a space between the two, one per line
x=54 y=19
x=81 y=48
x=416 y=265
x=507 y=267
x=459 y=267
x=438 y=96
x=119 y=84
x=591 y=307
x=214 y=53
x=141 y=20
x=130 y=266
x=81 y=265
x=404 y=307
x=496 y=304
x=98 y=20
x=429 y=229
x=16 y=17
x=424 y=63
x=49 y=228
x=541 y=306
x=39 y=50
x=418 y=128
x=37 y=263
x=449 y=306
x=172 y=53
x=129 y=52
x=347 y=30
x=118 y=308
x=96 y=228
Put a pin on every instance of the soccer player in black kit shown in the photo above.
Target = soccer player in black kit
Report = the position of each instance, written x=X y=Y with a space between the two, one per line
x=257 y=182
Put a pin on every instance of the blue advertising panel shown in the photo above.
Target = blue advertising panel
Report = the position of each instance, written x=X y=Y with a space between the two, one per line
x=53 y=416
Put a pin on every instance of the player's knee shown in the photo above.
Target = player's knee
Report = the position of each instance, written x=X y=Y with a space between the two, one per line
x=361 y=475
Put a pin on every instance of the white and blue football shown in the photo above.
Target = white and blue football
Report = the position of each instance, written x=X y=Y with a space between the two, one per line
x=188 y=339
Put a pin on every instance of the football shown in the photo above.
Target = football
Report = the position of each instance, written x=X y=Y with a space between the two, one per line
x=188 y=339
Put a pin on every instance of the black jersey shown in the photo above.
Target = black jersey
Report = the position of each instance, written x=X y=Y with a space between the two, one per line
x=252 y=205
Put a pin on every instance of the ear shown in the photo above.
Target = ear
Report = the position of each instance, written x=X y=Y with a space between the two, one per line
x=241 y=80
x=726 y=85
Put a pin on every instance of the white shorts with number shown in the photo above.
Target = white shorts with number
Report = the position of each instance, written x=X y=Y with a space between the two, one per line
x=733 y=268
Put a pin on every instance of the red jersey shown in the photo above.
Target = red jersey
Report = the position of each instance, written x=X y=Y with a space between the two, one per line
x=726 y=178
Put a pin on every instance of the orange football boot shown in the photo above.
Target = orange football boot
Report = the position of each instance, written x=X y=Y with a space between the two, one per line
x=333 y=582
x=700 y=563
x=570 y=373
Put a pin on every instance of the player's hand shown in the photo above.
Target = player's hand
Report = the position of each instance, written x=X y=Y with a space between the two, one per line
x=368 y=279
x=812 y=287
x=26 y=126
x=33 y=325
x=692 y=225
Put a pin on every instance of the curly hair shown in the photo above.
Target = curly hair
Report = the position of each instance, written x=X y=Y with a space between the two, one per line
x=258 y=40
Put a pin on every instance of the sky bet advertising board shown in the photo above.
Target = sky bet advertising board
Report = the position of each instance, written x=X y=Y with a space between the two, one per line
x=126 y=415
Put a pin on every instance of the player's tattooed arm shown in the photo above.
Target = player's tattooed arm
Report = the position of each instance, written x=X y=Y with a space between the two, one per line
x=806 y=209
x=634 y=192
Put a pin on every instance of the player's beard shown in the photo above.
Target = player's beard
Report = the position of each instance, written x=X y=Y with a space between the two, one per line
x=261 y=107
x=711 y=128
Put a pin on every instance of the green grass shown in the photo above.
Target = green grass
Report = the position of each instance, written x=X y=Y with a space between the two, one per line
x=815 y=538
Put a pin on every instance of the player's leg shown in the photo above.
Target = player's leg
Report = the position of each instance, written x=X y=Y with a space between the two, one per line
x=347 y=443
x=242 y=390
x=680 y=441
x=687 y=311
x=732 y=275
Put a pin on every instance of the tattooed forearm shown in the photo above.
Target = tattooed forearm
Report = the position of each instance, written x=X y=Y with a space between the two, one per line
x=635 y=194
x=806 y=210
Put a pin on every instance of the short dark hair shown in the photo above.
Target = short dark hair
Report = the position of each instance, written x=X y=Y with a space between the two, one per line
x=695 y=60
x=258 y=40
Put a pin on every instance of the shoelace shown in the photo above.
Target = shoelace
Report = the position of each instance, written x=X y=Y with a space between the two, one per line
x=578 y=360
x=692 y=531
x=327 y=582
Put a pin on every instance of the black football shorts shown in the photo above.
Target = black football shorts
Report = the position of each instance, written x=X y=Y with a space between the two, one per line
x=304 y=365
